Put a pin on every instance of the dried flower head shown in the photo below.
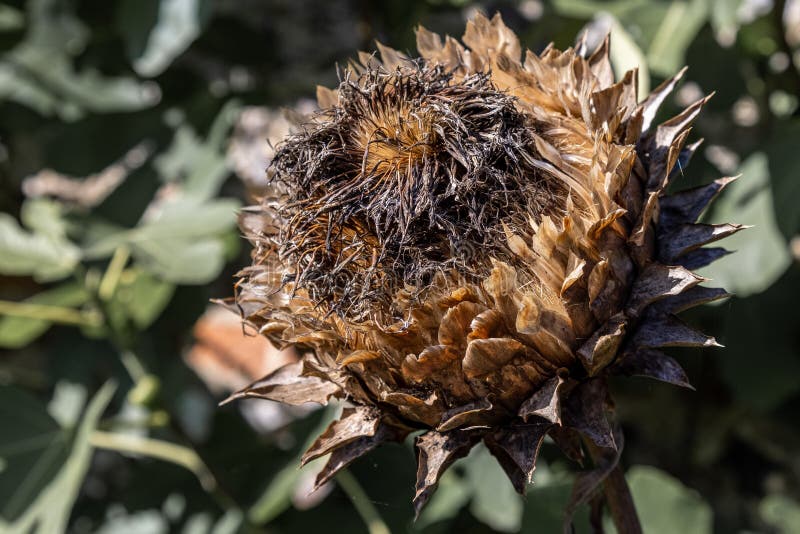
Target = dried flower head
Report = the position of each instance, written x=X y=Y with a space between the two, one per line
x=403 y=179
x=466 y=244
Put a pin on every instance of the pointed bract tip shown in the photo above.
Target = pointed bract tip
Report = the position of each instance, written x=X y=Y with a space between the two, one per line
x=232 y=397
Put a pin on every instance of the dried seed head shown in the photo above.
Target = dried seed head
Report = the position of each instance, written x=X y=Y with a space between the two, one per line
x=468 y=244
x=404 y=178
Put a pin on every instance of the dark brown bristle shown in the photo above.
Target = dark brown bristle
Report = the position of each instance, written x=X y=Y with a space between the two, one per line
x=406 y=177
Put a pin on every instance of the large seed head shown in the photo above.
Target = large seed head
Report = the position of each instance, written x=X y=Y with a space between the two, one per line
x=468 y=244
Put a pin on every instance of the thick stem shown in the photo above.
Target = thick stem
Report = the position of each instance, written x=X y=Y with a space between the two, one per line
x=596 y=506
x=620 y=503
x=618 y=496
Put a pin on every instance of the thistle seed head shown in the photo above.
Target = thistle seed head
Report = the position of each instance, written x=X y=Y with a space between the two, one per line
x=398 y=185
x=469 y=243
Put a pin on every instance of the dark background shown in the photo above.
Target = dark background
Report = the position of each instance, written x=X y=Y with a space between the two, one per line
x=103 y=278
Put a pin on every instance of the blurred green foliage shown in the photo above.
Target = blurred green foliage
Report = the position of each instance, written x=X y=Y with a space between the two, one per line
x=105 y=428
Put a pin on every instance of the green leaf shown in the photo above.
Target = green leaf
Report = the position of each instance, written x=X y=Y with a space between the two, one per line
x=784 y=172
x=277 y=497
x=57 y=460
x=139 y=522
x=626 y=55
x=665 y=505
x=69 y=399
x=200 y=166
x=183 y=243
x=38 y=72
x=590 y=8
x=749 y=201
x=230 y=523
x=45 y=81
x=102 y=238
x=181 y=262
x=724 y=19
x=763 y=324
x=32 y=447
x=10 y=18
x=44 y=216
x=135 y=19
x=16 y=332
x=450 y=497
x=141 y=297
x=23 y=253
x=188 y=220
x=680 y=25
x=186 y=242
x=494 y=500
x=544 y=508
x=177 y=24
x=781 y=512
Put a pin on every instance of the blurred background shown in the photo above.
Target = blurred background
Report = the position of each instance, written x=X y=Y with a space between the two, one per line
x=131 y=131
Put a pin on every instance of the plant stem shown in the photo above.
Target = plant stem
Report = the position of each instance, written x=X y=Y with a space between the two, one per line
x=185 y=456
x=110 y=280
x=154 y=448
x=361 y=502
x=620 y=503
x=169 y=452
x=133 y=365
x=43 y=312
x=617 y=496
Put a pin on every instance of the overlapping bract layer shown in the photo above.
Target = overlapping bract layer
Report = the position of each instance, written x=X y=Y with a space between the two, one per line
x=512 y=341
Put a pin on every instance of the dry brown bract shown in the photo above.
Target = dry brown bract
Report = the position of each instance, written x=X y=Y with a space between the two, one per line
x=466 y=244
